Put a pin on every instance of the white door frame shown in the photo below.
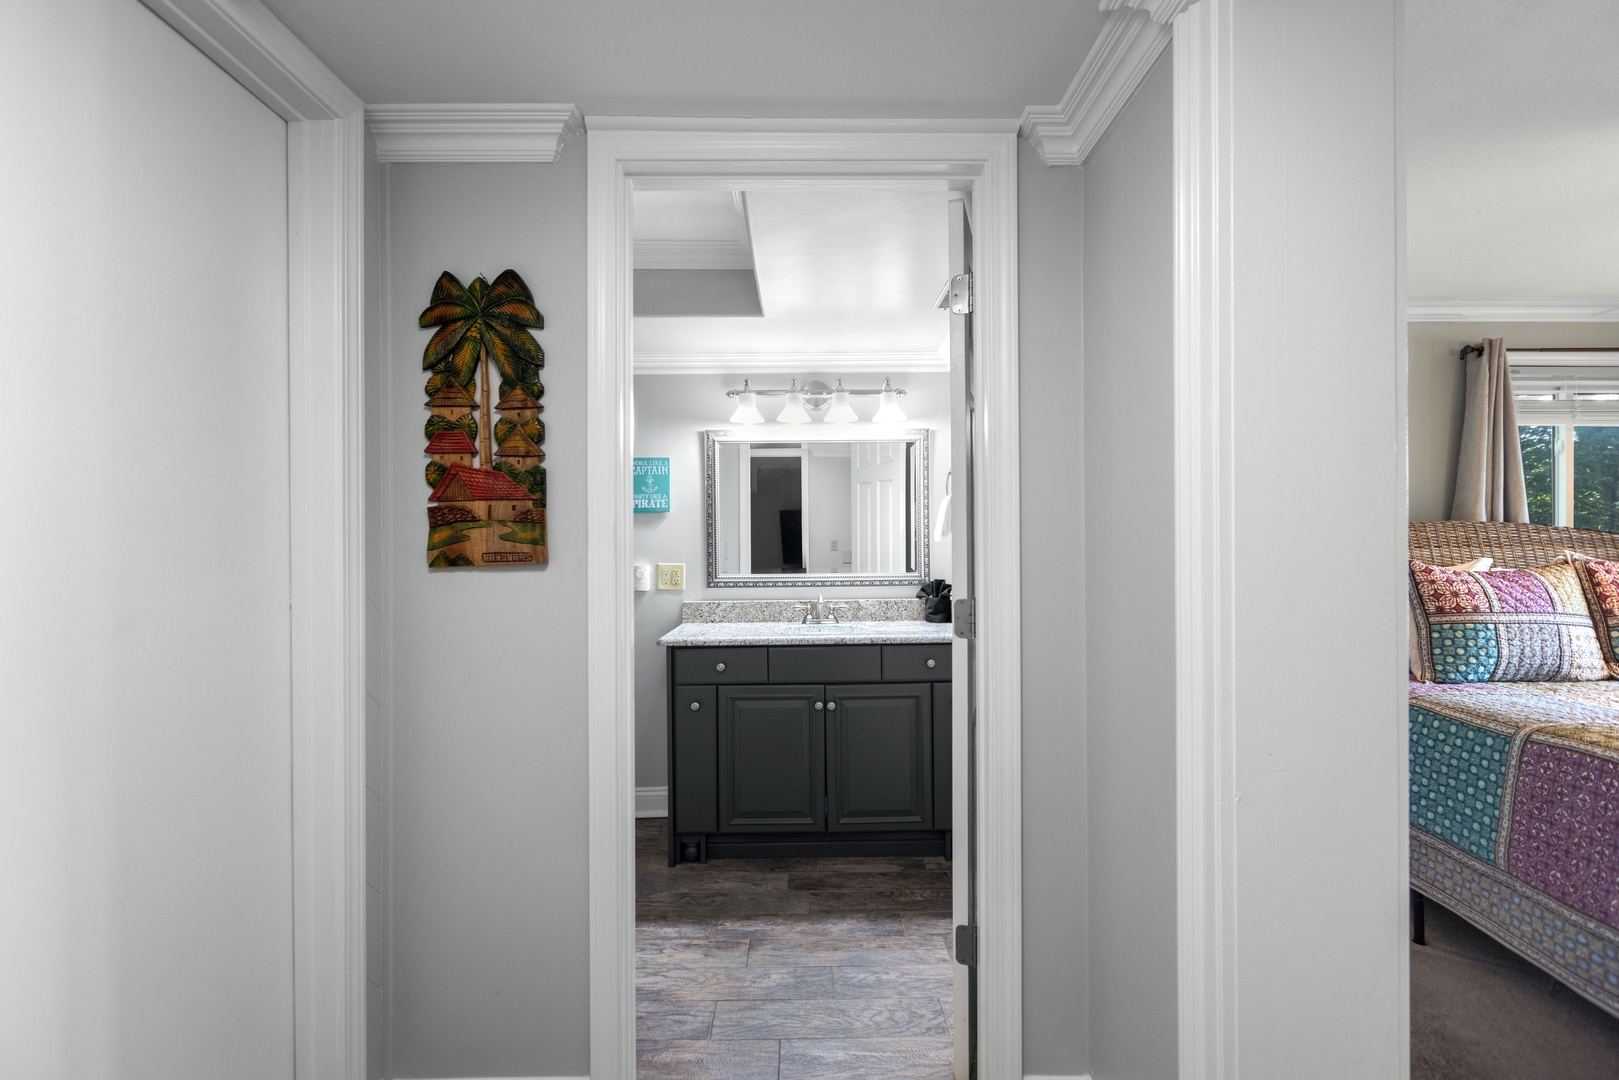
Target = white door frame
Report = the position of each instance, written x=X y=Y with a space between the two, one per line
x=325 y=289
x=975 y=154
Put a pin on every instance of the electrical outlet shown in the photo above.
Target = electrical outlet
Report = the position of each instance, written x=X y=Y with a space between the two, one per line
x=672 y=575
x=834 y=545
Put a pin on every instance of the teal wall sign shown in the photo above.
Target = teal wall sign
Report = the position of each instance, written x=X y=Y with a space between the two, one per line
x=651 y=485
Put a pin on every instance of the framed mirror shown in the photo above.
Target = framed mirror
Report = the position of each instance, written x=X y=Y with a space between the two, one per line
x=821 y=512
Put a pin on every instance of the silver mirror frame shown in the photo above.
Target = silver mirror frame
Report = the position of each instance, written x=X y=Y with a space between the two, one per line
x=922 y=525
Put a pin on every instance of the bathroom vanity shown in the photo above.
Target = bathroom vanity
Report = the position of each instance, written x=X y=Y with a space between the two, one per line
x=790 y=740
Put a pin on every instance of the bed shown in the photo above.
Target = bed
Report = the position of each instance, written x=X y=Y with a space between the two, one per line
x=1515 y=788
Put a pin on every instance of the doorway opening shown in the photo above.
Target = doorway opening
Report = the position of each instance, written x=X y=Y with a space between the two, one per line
x=794 y=766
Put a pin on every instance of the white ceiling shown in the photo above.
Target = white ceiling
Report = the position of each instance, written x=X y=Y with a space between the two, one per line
x=842 y=272
x=1513 y=150
x=949 y=58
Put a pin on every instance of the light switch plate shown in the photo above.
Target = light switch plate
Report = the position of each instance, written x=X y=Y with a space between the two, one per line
x=643 y=577
x=672 y=575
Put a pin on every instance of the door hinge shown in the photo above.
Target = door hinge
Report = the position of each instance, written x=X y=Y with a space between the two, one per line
x=967 y=946
x=961 y=294
x=964 y=622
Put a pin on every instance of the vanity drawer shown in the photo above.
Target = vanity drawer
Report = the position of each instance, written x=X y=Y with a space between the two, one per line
x=825 y=663
x=916 y=663
x=740 y=665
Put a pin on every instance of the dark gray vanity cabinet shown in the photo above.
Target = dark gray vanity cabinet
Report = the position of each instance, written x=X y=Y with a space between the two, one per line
x=879 y=751
x=772 y=763
x=809 y=750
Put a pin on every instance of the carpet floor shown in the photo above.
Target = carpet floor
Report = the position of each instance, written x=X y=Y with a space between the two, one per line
x=791 y=969
x=1478 y=1012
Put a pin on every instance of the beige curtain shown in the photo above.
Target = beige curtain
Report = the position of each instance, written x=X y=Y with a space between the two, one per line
x=1489 y=470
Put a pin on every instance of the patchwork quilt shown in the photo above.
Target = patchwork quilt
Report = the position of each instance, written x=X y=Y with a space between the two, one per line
x=1515 y=819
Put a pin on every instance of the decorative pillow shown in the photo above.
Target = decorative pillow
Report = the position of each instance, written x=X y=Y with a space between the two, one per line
x=1413 y=634
x=1504 y=625
x=1600 y=579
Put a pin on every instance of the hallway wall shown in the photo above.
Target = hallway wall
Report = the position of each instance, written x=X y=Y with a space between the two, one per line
x=486 y=668
x=1056 y=932
x=145 y=810
x=1129 y=433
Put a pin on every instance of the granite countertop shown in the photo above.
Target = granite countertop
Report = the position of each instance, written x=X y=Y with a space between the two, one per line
x=875 y=632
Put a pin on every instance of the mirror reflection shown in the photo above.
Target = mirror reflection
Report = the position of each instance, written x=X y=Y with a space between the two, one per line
x=817 y=511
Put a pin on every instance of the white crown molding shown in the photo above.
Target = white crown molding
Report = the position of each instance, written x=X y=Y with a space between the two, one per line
x=794 y=126
x=1134 y=34
x=258 y=51
x=693 y=255
x=481 y=133
x=1509 y=311
x=840 y=364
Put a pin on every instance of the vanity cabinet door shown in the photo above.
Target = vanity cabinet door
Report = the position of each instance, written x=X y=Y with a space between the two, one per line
x=772 y=759
x=879 y=756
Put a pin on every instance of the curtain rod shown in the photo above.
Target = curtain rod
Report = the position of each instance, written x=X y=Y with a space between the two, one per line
x=1469 y=350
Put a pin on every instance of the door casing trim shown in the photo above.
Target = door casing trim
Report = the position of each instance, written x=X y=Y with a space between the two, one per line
x=764 y=153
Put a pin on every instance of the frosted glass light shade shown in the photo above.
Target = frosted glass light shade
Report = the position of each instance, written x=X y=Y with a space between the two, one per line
x=794 y=412
x=889 y=411
x=840 y=412
x=747 y=409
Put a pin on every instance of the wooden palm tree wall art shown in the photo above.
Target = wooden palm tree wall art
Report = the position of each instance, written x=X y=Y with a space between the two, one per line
x=488 y=480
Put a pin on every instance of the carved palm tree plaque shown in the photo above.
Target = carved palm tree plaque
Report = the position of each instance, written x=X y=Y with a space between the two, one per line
x=488 y=480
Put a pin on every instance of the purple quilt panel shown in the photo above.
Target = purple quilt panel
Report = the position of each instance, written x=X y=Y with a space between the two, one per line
x=1565 y=829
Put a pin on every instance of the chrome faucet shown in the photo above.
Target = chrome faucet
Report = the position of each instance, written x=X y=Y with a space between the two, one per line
x=816 y=612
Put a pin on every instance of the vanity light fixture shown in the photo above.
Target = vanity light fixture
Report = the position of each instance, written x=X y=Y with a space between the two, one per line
x=814 y=397
x=840 y=412
x=747 y=406
x=889 y=411
x=793 y=412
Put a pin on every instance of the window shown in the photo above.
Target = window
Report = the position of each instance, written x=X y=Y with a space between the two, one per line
x=1568 y=429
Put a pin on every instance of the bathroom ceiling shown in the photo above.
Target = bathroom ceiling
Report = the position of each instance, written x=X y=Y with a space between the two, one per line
x=939 y=58
x=848 y=279
x=1513 y=150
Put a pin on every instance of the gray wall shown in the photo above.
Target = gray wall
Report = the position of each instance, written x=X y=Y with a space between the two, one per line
x=379 y=652
x=145 y=814
x=1129 y=600
x=1317 y=736
x=671 y=413
x=1438 y=378
x=487 y=690
x=1056 y=992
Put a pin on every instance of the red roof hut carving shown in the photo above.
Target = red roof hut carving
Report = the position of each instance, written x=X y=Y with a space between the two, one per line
x=451 y=441
x=463 y=483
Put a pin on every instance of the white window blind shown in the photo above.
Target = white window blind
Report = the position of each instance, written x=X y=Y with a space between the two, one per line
x=1566 y=390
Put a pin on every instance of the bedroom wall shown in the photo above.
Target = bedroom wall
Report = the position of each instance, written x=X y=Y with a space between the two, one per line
x=486 y=686
x=1130 y=609
x=1438 y=382
x=145 y=813
x=671 y=413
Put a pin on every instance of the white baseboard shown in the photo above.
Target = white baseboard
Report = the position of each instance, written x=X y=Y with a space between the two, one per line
x=652 y=801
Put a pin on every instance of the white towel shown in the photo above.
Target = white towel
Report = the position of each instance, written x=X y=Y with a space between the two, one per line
x=941 y=528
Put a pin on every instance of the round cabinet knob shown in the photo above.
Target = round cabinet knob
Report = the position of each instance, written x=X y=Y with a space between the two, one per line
x=933 y=663
x=819 y=705
x=831 y=705
x=695 y=706
x=720 y=666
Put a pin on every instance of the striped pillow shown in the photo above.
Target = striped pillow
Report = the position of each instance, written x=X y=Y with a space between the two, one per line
x=1504 y=625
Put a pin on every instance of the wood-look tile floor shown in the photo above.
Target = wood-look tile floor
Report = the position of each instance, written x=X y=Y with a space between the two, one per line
x=791 y=969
